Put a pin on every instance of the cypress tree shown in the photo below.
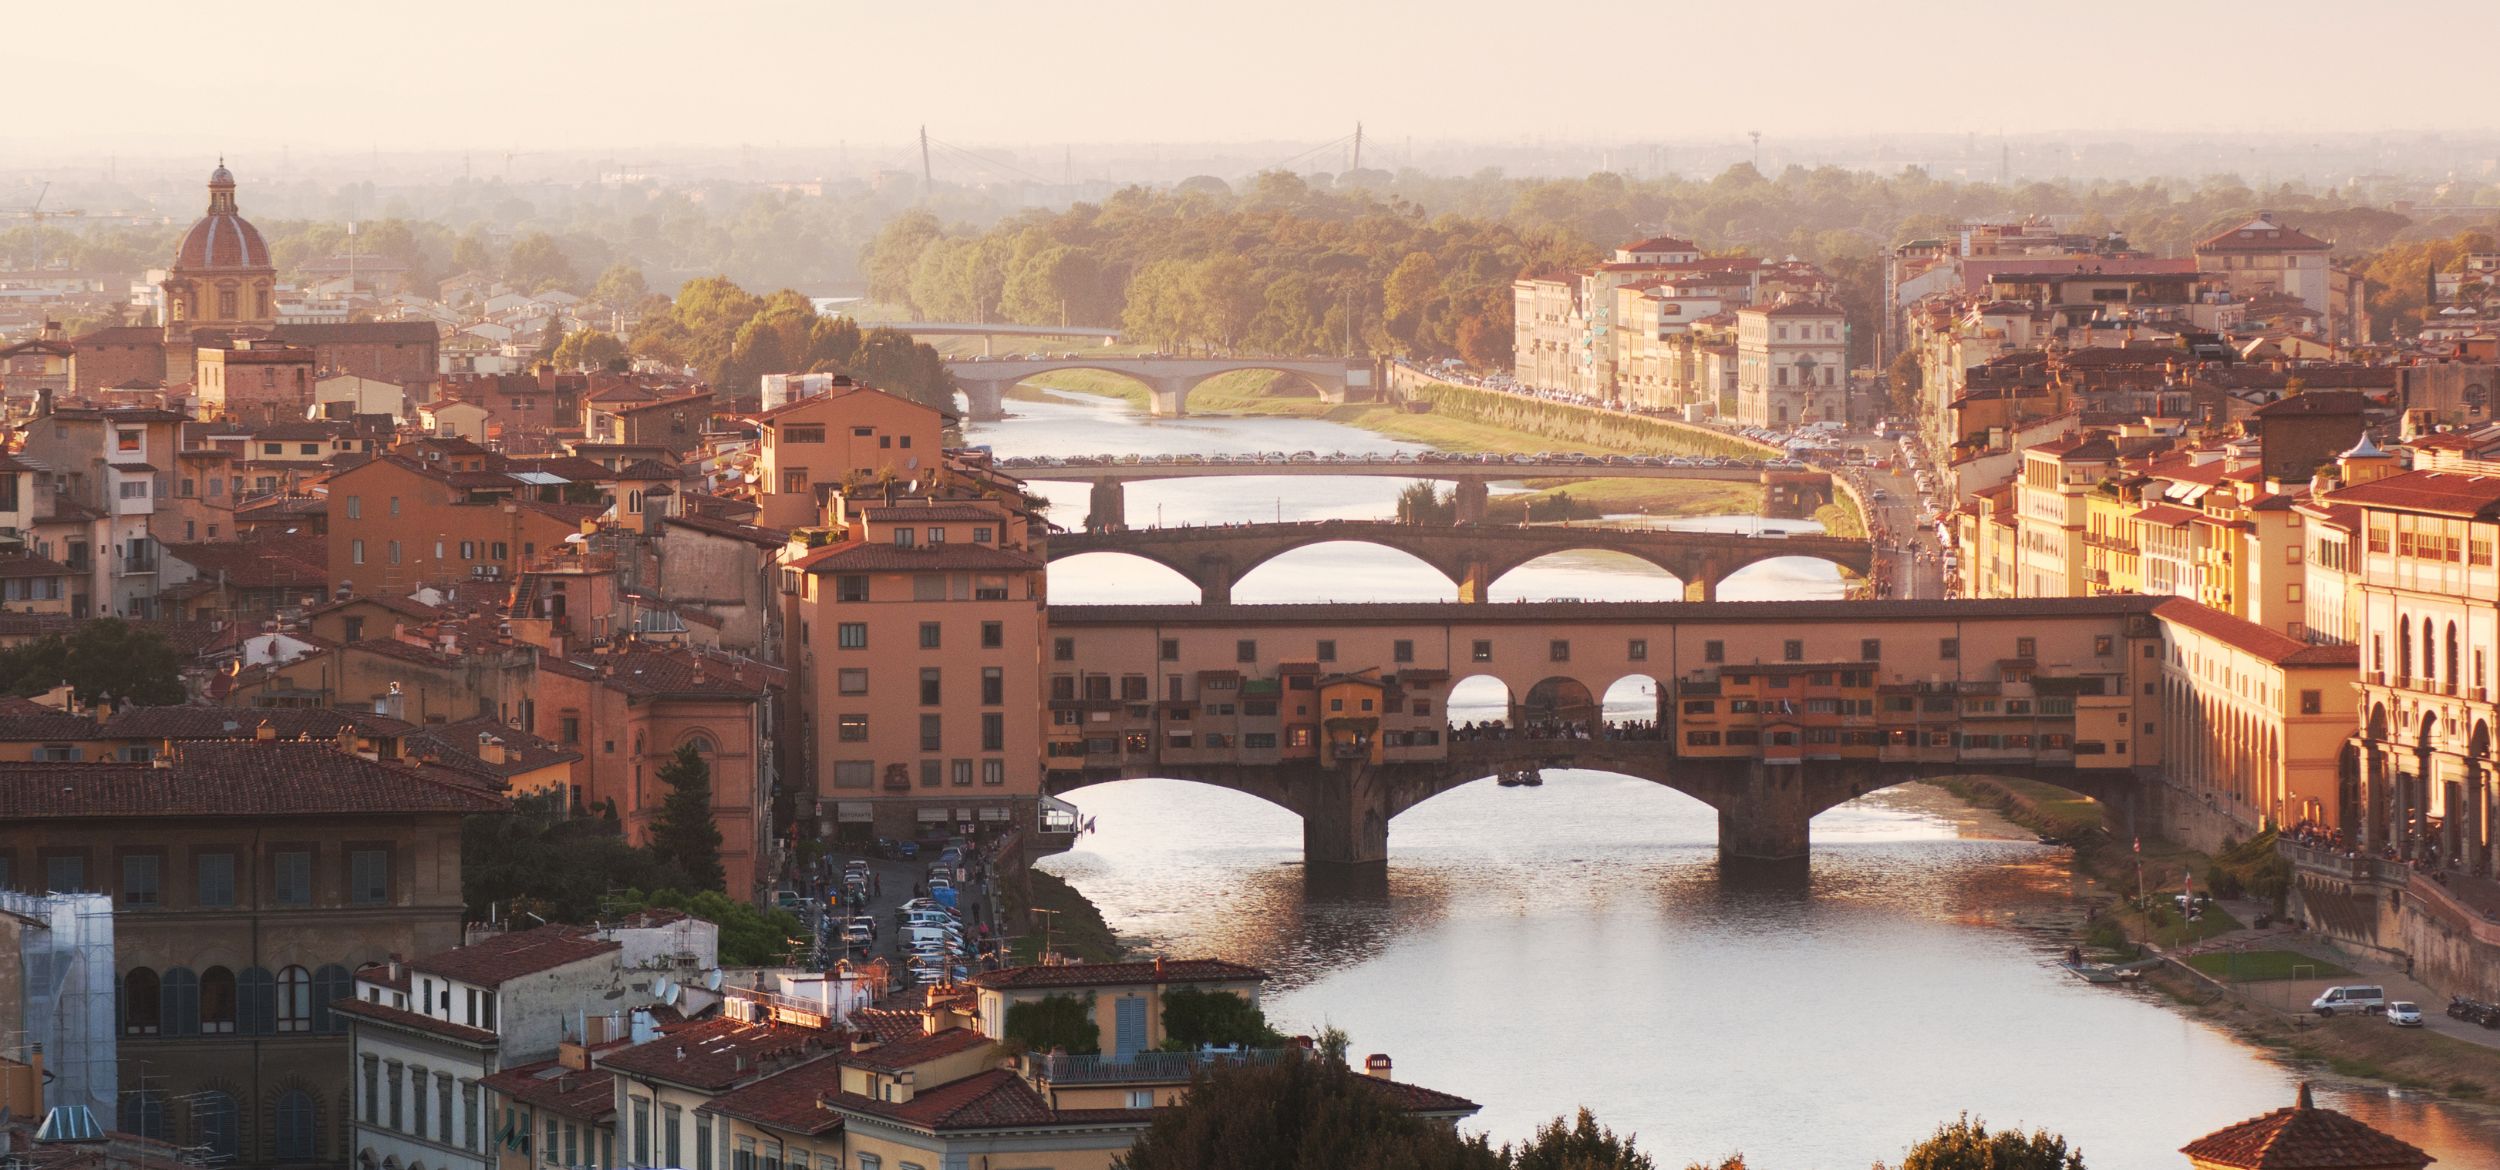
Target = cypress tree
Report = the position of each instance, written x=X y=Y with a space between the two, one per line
x=684 y=833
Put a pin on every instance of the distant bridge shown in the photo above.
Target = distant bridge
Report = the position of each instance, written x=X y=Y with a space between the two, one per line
x=1168 y=380
x=1473 y=557
x=1109 y=334
x=1792 y=490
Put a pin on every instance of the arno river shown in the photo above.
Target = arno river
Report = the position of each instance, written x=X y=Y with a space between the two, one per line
x=1546 y=948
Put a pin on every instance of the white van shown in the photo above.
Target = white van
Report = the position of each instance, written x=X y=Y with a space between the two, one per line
x=2338 y=1000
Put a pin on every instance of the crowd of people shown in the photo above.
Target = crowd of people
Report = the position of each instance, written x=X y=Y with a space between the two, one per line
x=1497 y=730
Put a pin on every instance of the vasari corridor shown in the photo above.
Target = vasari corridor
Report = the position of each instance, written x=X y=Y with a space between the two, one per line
x=1110 y=586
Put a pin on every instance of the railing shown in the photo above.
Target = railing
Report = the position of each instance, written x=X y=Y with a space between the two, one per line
x=1062 y=1069
x=2355 y=866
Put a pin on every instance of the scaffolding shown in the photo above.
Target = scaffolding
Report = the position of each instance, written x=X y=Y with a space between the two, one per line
x=65 y=964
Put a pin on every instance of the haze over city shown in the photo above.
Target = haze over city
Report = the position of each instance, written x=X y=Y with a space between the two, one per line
x=1122 y=586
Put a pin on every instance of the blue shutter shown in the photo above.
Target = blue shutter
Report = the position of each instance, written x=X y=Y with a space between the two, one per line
x=181 y=1000
x=256 y=1002
x=330 y=984
x=1128 y=1033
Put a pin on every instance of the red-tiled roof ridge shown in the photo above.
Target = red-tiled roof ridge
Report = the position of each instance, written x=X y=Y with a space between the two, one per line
x=898 y=1055
x=2274 y=646
x=499 y=958
x=2304 y=1137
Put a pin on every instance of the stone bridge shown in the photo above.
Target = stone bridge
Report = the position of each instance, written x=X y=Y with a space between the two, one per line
x=1473 y=557
x=1769 y=712
x=1789 y=489
x=1168 y=380
x=1764 y=810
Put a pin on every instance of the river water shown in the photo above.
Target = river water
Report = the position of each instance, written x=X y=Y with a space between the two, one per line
x=1541 y=949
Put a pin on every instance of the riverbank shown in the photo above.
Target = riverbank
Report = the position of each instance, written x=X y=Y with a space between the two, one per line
x=2106 y=864
x=1076 y=926
x=1257 y=394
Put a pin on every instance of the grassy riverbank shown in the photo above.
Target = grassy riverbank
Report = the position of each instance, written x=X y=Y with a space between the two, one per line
x=2350 y=1046
x=1249 y=394
x=1077 y=928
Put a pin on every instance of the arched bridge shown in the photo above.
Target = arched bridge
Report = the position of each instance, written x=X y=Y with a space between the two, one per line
x=1789 y=489
x=1168 y=379
x=1472 y=556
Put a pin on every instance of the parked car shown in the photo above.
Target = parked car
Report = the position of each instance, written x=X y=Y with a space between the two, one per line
x=2405 y=1013
x=2363 y=998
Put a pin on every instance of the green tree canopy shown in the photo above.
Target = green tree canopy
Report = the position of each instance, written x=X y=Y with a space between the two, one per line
x=620 y=287
x=1298 y=1113
x=1194 y=1017
x=1967 y=1144
x=1061 y=1022
x=101 y=657
x=589 y=349
x=684 y=833
x=1579 y=1144
x=538 y=859
x=749 y=937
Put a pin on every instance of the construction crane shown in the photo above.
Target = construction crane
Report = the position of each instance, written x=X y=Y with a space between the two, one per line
x=34 y=211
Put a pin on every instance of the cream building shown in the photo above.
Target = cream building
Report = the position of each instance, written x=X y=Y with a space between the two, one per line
x=1791 y=364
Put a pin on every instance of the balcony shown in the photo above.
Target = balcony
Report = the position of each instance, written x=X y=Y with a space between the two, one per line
x=1143 y=1068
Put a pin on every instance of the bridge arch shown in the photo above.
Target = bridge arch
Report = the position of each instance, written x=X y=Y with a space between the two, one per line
x=1786 y=577
x=1558 y=699
x=1634 y=577
x=1304 y=571
x=1634 y=698
x=1119 y=578
x=1479 y=699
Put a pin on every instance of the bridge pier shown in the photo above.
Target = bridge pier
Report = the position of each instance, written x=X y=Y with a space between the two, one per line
x=1701 y=588
x=1764 y=820
x=1471 y=496
x=984 y=401
x=1168 y=397
x=1107 y=508
x=1345 y=827
x=1215 y=580
x=1475 y=581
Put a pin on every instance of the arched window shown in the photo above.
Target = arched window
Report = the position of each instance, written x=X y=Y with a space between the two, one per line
x=143 y=1113
x=181 y=1000
x=295 y=999
x=298 y=1136
x=2430 y=653
x=256 y=1002
x=143 y=1007
x=2404 y=647
x=216 y=1123
x=2452 y=656
x=225 y=304
x=217 y=1005
x=330 y=984
x=260 y=301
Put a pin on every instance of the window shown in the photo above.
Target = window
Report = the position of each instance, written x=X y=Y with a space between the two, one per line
x=1558 y=650
x=1948 y=648
x=932 y=732
x=2026 y=647
x=993 y=686
x=1063 y=649
x=1246 y=650
x=355 y=507
x=852 y=728
x=929 y=635
x=394 y=552
x=670 y=1119
x=142 y=1005
x=929 y=687
x=906 y=537
x=1714 y=651
x=1792 y=650
x=1637 y=650
x=1402 y=650
x=298 y=1127
x=294 y=1000
x=217 y=1001
x=1481 y=651
x=642 y=1131
x=290 y=873
x=702 y=1141
x=854 y=774
x=850 y=587
x=961 y=772
x=356 y=551
x=143 y=879
x=993 y=731
x=851 y=635
x=2312 y=702
x=1870 y=649
x=993 y=771
x=1327 y=650
x=993 y=635
x=373 y=1089
x=368 y=876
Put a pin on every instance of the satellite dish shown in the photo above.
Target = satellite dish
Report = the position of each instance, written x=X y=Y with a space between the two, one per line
x=711 y=979
x=660 y=988
x=674 y=991
x=913 y=486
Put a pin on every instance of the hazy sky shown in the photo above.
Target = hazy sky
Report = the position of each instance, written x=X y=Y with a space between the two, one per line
x=567 y=74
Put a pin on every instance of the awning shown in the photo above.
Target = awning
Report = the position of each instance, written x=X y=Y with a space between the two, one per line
x=929 y=816
x=993 y=814
x=854 y=811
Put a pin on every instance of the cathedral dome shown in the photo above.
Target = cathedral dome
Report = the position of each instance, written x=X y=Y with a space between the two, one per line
x=222 y=240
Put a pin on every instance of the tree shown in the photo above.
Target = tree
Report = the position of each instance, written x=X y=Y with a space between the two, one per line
x=1418 y=503
x=684 y=833
x=540 y=859
x=589 y=349
x=1966 y=1144
x=551 y=338
x=1194 y=1018
x=1298 y=1113
x=620 y=287
x=101 y=657
x=1055 y=1022
x=538 y=263
x=749 y=937
x=1578 y=1144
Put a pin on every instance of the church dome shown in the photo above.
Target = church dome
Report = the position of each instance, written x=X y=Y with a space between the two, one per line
x=222 y=240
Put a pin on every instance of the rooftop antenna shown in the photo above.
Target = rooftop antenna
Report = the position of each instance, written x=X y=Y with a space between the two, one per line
x=1756 y=135
x=927 y=184
x=1358 y=148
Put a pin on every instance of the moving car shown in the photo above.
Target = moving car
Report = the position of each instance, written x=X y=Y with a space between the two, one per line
x=2404 y=1013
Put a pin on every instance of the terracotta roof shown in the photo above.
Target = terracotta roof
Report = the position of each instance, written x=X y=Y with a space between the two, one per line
x=189 y=722
x=2446 y=493
x=656 y=672
x=751 y=533
x=456 y=745
x=717 y=1053
x=241 y=778
x=2316 y=402
x=2261 y=235
x=416 y=1021
x=1418 y=1099
x=888 y=1025
x=787 y=1100
x=2275 y=647
x=863 y=556
x=2168 y=515
x=30 y=565
x=2304 y=1137
x=270 y=562
x=1660 y=244
x=45 y=724
x=1793 y=309
x=404 y=606
x=896 y=1057
x=994 y=1099
x=546 y=1084
x=1116 y=974
x=948 y=510
x=504 y=957
x=351 y=332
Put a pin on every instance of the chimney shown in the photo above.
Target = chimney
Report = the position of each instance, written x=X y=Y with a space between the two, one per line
x=1377 y=1065
x=266 y=732
x=394 y=968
